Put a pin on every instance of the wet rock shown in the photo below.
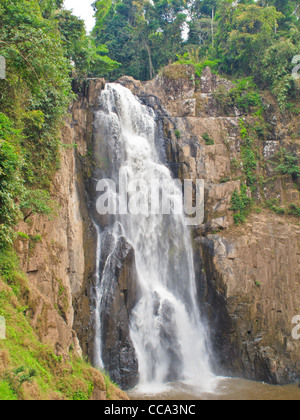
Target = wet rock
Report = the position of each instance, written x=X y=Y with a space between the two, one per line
x=118 y=352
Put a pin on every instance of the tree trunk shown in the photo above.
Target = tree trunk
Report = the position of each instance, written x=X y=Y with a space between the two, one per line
x=151 y=68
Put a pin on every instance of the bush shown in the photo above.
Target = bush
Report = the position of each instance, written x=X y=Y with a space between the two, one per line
x=208 y=140
x=10 y=271
x=274 y=206
x=288 y=164
x=178 y=134
x=294 y=210
x=244 y=96
x=10 y=188
x=241 y=204
x=212 y=64
x=37 y=202
x=15 y=198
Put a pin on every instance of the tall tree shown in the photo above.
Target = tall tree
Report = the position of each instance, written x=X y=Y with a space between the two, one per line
x=142 y=35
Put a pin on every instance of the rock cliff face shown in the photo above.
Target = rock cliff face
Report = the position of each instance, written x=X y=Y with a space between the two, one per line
x=118 y=352
x=59 y=257
x=252 y=293
x=248 y=276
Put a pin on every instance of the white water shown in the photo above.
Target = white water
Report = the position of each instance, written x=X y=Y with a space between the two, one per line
x=166 y=330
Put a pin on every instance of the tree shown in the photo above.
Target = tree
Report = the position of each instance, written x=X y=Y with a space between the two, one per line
x=244 y=32
x=289 y=9
x=43 y=46
x=276 y=70
x=80 y=48
x=114 y=23
x=142 y=35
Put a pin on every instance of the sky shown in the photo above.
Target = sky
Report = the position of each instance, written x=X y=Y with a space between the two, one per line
x=82 y=9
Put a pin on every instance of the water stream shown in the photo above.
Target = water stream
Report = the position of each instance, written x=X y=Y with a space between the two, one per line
x=165 y=327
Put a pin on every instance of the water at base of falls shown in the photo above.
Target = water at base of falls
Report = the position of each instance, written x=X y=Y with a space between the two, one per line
x=222 y=389
x=165 y=326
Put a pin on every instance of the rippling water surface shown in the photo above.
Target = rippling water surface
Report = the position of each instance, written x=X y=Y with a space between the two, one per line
x=225 y=389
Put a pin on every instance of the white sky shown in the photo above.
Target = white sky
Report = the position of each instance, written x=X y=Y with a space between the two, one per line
x=82 y=9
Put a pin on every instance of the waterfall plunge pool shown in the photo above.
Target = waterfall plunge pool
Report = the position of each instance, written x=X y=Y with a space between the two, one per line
x=225 y=389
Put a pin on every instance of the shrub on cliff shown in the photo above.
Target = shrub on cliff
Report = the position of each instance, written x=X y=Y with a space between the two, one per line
x=241 y=204
x=288 y=164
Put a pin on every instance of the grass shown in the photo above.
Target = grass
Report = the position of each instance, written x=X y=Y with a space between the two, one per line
x=29 y=369
x=6 y=393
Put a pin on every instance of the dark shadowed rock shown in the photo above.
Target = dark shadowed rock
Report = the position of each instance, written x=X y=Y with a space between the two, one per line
x=119 y=356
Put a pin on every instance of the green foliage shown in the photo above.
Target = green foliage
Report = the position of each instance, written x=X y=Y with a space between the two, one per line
x=274 y=206
x=192 y=57
x=177 y=134
x=16 y=199
x=224 y=180
x=19 y=376
x=23 y=235
x=37 y=202
x=235 y=164
x=251 y=41
x=83 y=395
x=208 y=140
x=108 y=383
x=288 y=163
x=294 y=210
x=212 y=64
x=246 y=38
x=241 y=204
x=275 y=70
x=80 y=49
x=143 y=36
x=26 y=359
x=244 y=96
x=43 y=45
x=6 y=392
x=258 y=283
x=10 y=188
x=244 y=31
x=10 y=270
x=7 y=129
x=291 y=209
x=34 y=99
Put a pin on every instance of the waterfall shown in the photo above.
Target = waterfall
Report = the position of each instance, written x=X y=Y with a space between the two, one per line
x=165 y=326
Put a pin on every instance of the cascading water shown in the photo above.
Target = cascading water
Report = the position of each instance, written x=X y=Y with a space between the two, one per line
x=165 y=327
